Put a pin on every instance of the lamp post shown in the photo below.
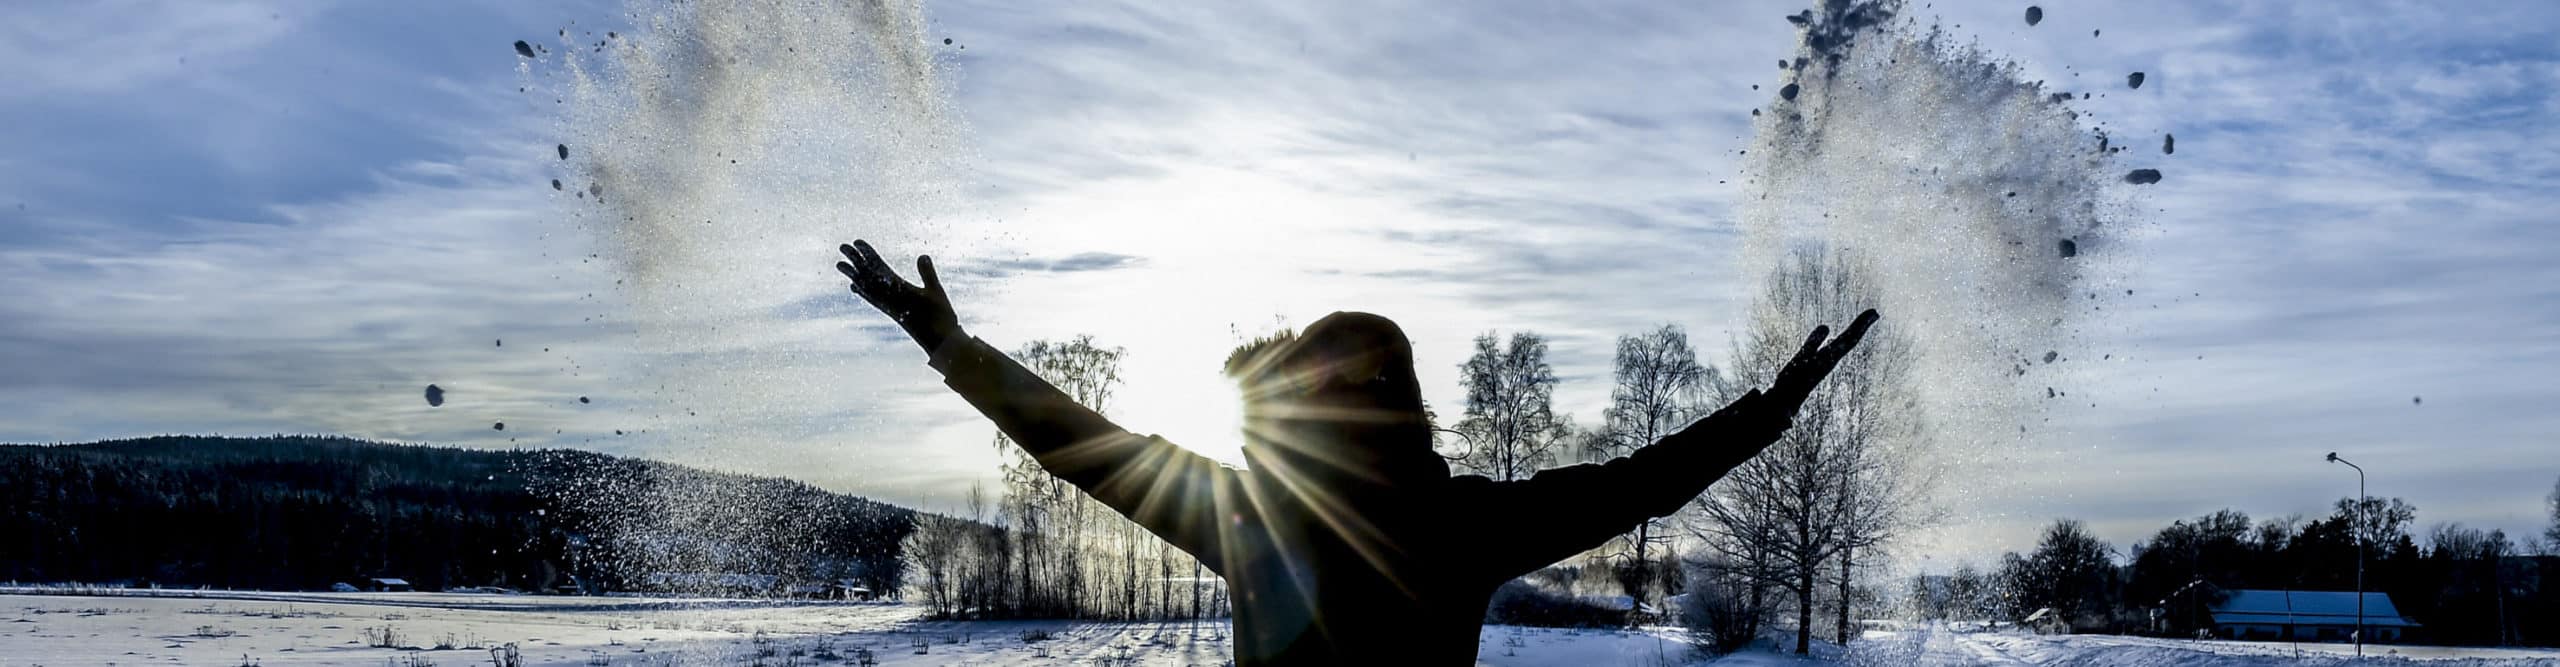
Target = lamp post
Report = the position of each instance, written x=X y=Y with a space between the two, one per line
x=2359 y=531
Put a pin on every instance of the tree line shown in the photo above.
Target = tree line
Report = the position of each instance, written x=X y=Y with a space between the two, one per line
x=2462 y=585
x=1041 y=548
x=308 y=512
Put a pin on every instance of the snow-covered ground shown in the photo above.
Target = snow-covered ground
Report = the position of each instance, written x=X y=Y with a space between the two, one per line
x=281 y=629
x=2017 y=649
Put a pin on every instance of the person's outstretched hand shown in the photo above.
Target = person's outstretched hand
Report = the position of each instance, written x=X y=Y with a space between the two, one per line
x=1768 y=413
x=925 y=312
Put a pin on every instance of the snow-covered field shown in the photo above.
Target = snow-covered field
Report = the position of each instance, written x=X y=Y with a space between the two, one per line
x=2014 y=649
x=455 y=630
x=279 y=629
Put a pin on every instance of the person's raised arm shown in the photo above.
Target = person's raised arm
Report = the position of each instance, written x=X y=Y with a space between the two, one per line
x=1166 y=488
x=1567 y=510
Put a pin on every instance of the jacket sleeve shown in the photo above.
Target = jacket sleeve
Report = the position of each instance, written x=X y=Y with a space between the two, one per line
x=1564 y=511
x=1171 y=491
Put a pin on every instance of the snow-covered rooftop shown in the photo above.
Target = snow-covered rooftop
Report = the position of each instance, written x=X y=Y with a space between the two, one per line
x=2277 y=607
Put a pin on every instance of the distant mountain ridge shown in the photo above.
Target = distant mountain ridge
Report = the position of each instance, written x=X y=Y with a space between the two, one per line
x=304 y=512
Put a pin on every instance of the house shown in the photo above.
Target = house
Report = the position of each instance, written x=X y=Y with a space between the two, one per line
x=2311 y=615
x=848 y=590
x=2046 y=621
x=728 y=584
x=388 y=584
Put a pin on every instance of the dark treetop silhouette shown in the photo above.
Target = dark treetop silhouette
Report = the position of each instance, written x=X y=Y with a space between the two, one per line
x=1347 y=540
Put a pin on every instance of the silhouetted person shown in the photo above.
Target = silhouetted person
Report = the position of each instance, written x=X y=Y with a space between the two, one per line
x=1346 y=541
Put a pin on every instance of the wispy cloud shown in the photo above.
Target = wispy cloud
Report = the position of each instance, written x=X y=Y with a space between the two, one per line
x=321 y=210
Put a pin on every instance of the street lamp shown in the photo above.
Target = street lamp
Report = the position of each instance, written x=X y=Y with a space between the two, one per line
x=2359 y=532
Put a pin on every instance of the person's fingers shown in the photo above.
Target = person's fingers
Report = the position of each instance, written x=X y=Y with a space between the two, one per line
x=1812 y=344
x=849 y=272
x=932 y=280
x=1805 y=357
x=872 y=262
x=866 y=266
x=1802 y=375
x=1849 y=338
x=870 y=259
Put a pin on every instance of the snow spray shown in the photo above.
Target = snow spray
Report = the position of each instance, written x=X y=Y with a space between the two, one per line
x=1988 y=214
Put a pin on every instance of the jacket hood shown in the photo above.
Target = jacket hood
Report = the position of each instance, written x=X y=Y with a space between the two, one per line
x=1337 y=404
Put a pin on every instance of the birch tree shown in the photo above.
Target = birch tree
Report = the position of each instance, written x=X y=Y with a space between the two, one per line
x=1658 y=386
x=1836 y=487
x=1511 y=426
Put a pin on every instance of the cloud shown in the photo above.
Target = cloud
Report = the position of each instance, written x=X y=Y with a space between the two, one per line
x=1079 y=262
x=321 y=211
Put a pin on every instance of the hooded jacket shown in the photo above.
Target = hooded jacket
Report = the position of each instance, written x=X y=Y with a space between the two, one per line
x=1347 y=541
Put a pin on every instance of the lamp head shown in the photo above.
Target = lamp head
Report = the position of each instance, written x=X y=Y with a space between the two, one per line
x=2333 y=457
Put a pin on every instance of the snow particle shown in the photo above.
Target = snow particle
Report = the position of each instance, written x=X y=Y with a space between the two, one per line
x=2035 y=15
x=564 y=151
x=2069 y=249
x=555 y=184
x=582 y=399
x=500 y=426
x=2142 y=176
x=2133 y=80
x=435 y=396
x=1788 y=92
x=523 y=49
x=2050 y=355
x=2168 y=144
x=2416 y=400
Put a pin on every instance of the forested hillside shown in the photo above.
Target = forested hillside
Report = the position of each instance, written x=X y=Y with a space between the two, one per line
x=300 y=513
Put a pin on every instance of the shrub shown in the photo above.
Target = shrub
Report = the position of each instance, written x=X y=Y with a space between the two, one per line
x=1717 y=608
x=1522 y=603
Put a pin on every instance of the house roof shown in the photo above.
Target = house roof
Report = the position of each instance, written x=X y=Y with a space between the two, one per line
x=393 y=581
x=2276 y=607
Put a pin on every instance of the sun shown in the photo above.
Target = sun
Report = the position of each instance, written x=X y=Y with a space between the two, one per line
x=1201 y=411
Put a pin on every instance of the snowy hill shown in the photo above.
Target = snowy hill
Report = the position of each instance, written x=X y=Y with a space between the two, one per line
x=303 y=513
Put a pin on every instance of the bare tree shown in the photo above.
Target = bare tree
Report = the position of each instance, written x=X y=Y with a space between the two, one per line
x=935 y=550
x=2380 y=522
x=1061 y=553
x=2475 y=561
x=1968 y=593
x=1720 y=611
x=1836 y=486
x=1659 y=383
x=1511 y=425
x=1878 y=491
x=990 y=560
x=2551 y=535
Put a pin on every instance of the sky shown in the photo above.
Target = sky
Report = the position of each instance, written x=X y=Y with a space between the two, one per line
x=252 y=218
